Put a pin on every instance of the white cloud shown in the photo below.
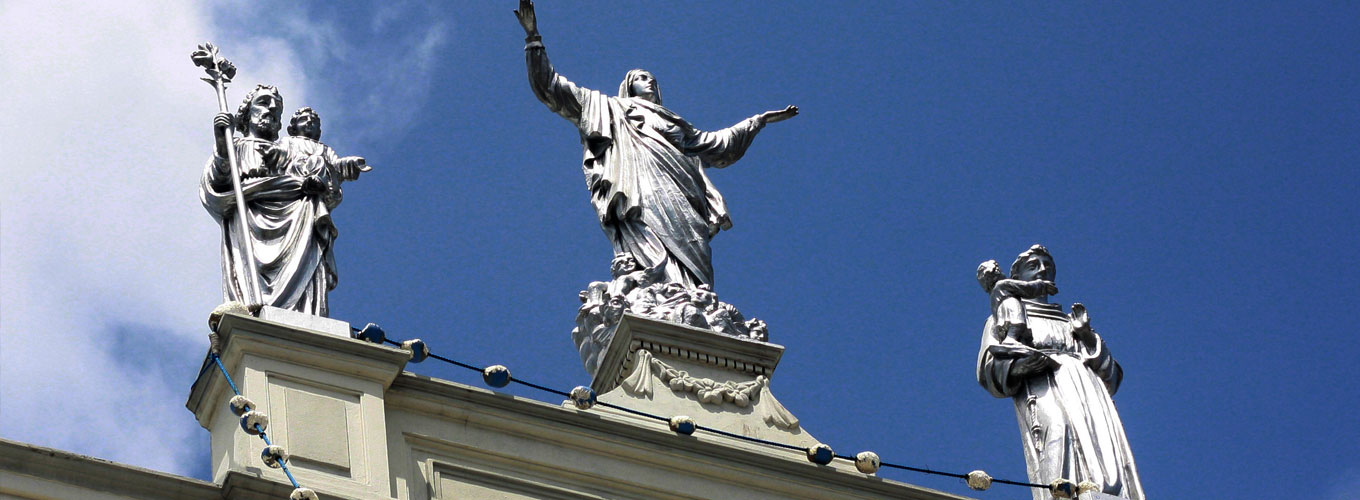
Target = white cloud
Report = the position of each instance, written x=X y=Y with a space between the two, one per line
x=105 y=253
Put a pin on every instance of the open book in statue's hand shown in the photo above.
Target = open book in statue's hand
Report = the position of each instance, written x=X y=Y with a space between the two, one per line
x=1011 y=350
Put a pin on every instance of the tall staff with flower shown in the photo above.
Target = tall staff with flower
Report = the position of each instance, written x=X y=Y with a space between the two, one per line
x=220 y=72
x=272 y=197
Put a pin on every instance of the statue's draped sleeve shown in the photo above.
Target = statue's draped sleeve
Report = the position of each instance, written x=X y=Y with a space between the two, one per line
x=216 y=191
x=720 y=148
x=553 y=90
x=1097 y=357
x=994 y=373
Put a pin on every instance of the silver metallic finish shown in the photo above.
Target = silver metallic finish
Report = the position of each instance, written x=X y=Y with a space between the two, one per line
x=220 y=72
x=1060 y=375
x=644 y=164
x=289 y=187
x=645 y=292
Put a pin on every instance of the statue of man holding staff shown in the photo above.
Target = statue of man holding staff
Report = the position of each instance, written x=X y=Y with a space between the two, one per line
x=277 y=251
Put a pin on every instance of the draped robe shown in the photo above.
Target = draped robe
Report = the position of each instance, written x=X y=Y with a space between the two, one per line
x=291 y=232
x=644 y=168
x=1068 y=421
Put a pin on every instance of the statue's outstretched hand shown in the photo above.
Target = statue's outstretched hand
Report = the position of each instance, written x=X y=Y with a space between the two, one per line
x=355 y=162
x=526 y=16
x=1052 y=289
x=1081 y=323
x=778 y=116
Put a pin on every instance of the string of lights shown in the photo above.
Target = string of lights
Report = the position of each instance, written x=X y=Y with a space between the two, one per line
x=255 y=422
x=868 y=462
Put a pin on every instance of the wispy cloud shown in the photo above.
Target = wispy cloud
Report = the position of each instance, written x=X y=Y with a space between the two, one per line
x=109 y=264
x=375 y=74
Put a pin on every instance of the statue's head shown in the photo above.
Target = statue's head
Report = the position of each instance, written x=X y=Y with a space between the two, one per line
x=1034 y=264
x=703 y=295
x=758 y=330
x=988 y=273
x=624 y=263
x=613 y=309
x=640 y=83
x=261 y=113
x=305 y=123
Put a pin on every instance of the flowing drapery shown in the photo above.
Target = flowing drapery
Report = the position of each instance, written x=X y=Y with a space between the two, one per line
x=291 y=232
x=644 y=167
x=1068 y=421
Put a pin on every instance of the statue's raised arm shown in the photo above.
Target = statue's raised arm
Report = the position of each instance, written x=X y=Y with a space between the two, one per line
x=559 y=94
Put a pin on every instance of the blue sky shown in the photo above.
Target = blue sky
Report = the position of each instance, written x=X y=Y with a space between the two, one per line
x=1191 y=167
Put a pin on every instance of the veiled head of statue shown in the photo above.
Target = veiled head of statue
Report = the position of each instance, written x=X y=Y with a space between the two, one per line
x=1034 y=264
x=640 y=83
x=305 y=123
x=261 y=112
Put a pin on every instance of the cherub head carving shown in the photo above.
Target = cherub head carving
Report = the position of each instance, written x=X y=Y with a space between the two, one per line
x=758 y=330
x=624 y=263
x=613 y=310
x=702 y=296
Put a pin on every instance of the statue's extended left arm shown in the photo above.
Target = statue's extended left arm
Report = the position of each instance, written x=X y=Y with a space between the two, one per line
x=720 y=148
x=347 y=167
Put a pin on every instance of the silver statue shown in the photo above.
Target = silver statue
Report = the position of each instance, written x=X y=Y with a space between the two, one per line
x=644 y=164
x=1060 y=375
x=282 y=257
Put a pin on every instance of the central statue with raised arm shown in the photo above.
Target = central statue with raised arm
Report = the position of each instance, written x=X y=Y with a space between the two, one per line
x=644 y=164
x=644 y=167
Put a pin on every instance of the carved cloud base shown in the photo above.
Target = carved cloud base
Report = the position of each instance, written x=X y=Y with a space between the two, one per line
x=720 y=381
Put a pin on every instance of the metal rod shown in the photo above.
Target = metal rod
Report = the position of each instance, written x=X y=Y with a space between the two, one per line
x=241 y=219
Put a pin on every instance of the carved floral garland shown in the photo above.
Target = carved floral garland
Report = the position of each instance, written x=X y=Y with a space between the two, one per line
x=709 y=391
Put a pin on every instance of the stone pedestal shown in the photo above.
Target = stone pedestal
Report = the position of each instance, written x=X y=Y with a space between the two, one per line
x=323 y=392
x=720 y=381
x=305 y=321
